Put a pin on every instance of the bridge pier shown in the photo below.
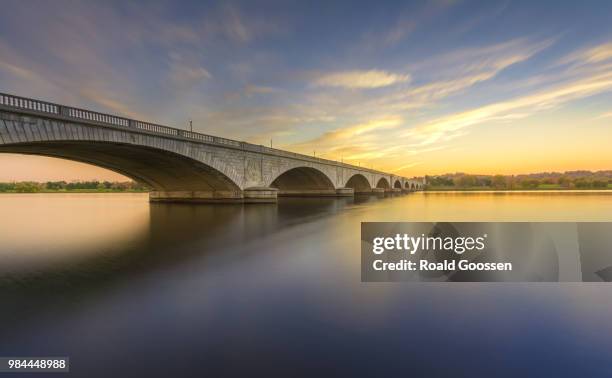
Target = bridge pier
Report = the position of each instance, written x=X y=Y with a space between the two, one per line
x=378 y=190
x=307 y=193
x=339 y=192
x=218 y=196
x=249 y=195
x=345 y=192
x=260 y=194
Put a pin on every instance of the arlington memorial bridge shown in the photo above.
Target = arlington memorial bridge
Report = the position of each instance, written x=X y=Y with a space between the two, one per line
x=180 y=165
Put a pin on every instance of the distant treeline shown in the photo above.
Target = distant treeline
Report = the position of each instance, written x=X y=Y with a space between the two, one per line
x=76 y=186
x=535 y=181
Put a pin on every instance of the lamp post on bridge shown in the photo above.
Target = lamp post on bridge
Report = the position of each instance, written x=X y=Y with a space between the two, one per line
x=190 y=125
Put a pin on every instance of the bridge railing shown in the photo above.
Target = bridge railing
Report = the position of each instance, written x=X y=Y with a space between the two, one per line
x=153 y=128
x=28 y=104
x=38 y=106
x=89 y=115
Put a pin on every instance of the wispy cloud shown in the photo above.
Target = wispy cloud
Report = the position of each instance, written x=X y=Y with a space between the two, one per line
x=517 y=108
x=346 y=133
x=453 y=73
x=355 y=142
x=186 y=72
x=361 y=79
x=590 y=55
x=405 y=167
x=251 y=89
x=235 y=28
x=113 y=105
x=18 y=71
x=400 y=28
x=604 y=116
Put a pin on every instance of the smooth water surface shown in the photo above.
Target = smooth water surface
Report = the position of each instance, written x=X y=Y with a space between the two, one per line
x=125 y=288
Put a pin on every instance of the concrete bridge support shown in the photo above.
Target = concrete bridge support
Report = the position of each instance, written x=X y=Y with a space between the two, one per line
x=260 y=195
x=195 y=196
x=248 y=195
x=345 y=192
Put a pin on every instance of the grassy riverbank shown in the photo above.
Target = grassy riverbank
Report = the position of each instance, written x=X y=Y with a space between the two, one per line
x=569 y=180
x=517 y=189
x=74 y=191
x=72 y=187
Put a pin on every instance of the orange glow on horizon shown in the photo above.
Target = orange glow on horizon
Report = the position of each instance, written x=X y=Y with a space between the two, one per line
x=39 y=168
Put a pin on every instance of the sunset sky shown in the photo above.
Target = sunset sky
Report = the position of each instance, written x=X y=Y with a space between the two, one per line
x=412 y=88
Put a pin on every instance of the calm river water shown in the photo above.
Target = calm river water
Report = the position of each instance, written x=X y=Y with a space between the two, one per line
x=124 y=288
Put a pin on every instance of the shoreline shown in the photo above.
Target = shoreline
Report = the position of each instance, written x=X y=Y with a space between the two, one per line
x=520 y=191
x=435 y=191
x=78 y=191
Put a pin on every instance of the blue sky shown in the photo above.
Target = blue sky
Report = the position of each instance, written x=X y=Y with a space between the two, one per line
x=410 y=87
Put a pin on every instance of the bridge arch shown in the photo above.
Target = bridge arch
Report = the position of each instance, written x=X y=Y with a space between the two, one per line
x=303 y=181
x=160 y=169
x=359 y=183
x=383 y=183
x=397 y=184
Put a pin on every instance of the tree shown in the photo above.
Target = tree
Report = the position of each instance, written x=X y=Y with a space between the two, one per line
x=7 y=187
x=431 y=181
x=563 y=181
x=599 y=184
x=530 y=183
x=55 y=185
x=582 y=184
x=485 y=181
x=466 y=181
x=498 y=182
x=27 y=187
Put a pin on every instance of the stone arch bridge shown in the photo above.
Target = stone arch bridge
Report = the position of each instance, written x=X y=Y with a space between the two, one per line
x=181 y=165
